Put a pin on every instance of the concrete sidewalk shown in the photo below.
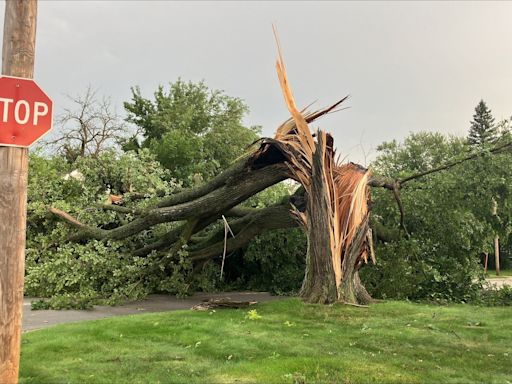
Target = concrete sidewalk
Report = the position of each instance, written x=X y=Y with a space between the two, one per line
x=153 y=303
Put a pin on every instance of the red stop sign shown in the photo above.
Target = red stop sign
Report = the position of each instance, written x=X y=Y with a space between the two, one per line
x=25 y=112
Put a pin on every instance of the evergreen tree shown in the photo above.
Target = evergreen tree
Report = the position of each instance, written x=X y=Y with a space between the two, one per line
x=482 y=130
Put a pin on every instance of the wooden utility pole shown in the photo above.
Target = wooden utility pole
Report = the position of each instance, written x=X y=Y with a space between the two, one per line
x=497 y=254
x=494 y=211
x=17 y=60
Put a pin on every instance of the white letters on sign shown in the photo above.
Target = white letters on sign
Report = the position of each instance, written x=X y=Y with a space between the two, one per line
x=6 y=108
x=23 y=110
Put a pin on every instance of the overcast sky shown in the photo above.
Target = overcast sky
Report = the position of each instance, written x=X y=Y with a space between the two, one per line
x=406 y=66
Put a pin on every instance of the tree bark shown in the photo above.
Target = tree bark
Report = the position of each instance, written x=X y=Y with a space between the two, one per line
x=244 y=229
x=234 y=190
x=351 y=290
x=319 y=285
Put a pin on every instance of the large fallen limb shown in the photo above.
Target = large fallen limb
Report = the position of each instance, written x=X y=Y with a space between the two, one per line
x=236 y=188
x=217 y=182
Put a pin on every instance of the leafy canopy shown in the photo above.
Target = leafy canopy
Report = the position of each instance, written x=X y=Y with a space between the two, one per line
x=448 y=214
x=194 y=132
x=75 y=274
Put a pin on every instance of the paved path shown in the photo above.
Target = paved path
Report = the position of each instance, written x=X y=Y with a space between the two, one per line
x=153 y=303
x=499 y=282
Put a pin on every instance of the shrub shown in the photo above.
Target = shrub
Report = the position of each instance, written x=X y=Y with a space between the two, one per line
x=274 y=261
x=75 y=274
x=495 y=297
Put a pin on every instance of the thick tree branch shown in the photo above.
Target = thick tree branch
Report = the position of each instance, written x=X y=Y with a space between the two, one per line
x=496 y=149
x=245 y=229
x=235 y=189
x=395 y=186
x=215 y=183
x=120 y=209
x=165 y=241
x=383 y=233
x=396 y=193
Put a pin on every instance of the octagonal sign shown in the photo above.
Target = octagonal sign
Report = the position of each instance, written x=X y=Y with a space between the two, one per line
x=26 y=112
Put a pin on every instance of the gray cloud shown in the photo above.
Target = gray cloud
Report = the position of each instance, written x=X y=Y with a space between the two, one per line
x=407 y=66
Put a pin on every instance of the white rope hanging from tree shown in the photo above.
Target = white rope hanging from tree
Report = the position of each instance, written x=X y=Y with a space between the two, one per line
x=227 y=229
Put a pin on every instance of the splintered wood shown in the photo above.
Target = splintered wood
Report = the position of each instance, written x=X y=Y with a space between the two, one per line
x=337 y=200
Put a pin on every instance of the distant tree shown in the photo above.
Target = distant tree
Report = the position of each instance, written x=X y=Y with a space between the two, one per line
x=504 y=128
x=194 y=132
x=447 y=214
x=418 y=152
x=89 y=127
x=483 y=129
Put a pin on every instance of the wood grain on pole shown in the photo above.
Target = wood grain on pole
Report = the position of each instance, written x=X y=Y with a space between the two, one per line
x=17 y=60
x=497 y=254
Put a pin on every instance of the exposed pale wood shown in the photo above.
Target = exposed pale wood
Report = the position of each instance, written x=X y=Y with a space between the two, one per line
x=17 y=60
x=67 y=217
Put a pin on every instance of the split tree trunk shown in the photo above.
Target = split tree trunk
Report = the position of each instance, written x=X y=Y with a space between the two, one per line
x=198 y=208
x=335 y=254
x=319 y=284
x=351 y=289
x=335 y=217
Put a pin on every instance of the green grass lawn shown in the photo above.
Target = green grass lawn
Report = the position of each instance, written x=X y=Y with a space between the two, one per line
x=393 y=342
x=503 y=273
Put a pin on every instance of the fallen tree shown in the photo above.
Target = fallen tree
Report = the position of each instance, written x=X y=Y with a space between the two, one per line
x=332 y=206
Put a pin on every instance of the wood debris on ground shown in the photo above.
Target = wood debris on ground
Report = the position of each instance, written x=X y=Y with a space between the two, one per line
x=225 y=302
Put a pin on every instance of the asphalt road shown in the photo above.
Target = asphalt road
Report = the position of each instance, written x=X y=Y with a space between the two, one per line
x=153 y=303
